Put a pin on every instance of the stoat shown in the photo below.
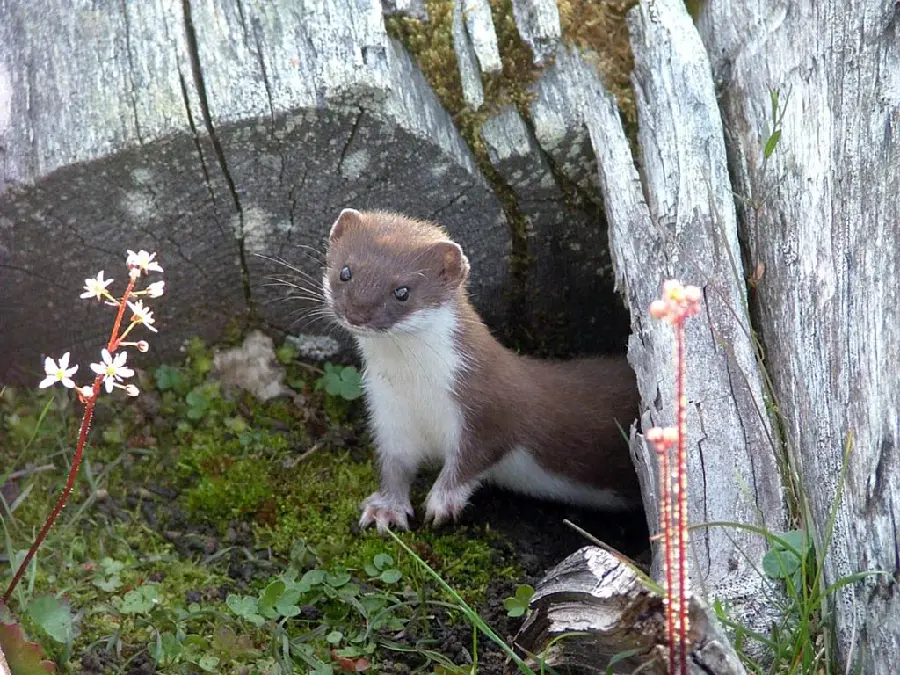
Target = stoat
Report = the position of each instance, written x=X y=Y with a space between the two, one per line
x=440 y=388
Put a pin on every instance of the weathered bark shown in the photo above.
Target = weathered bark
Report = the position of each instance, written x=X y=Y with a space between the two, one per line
x=676 y=220
x=820 y=223
x=613 y=611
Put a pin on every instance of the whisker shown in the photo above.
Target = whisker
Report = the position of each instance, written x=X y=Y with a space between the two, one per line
x=284 y=263
x=283 y=282
x=308 y=292
x=301 y=275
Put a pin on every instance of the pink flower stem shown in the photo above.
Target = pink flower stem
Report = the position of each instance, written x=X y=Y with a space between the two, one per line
x=79 y=451
x=665 y=499
x=681 y=469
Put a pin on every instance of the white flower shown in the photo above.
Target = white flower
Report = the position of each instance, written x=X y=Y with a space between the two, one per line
x=142 y=346
x=87 y=392
x=58 y=372
x=142 y=261
x=155 y=289
x=112 y=369
x=142 y=314
x=96 y=287
x=131 y=390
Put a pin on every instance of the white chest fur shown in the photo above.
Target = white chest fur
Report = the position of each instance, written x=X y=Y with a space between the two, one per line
x=408 y=378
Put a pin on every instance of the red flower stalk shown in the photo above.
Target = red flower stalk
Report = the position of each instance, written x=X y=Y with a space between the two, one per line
x=109 y=371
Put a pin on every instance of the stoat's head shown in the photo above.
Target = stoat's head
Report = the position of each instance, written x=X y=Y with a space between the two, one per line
x=389 y=273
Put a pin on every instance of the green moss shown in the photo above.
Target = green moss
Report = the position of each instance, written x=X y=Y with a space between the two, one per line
x=240 y=489
x=317 y=502
x=601 y=27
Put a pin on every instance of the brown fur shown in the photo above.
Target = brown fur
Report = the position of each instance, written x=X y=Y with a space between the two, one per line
x=571 y=414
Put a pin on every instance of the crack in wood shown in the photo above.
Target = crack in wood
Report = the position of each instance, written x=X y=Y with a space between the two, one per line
x=197 y=71
x=132 y=88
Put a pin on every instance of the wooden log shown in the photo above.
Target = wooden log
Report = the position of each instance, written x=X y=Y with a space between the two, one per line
x=595 y=612
x=820 y=227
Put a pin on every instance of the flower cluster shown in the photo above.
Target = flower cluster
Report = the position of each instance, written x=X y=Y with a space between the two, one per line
x=111 y=370
x=678 y=302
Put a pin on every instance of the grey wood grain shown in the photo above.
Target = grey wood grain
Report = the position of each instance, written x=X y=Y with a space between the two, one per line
x=820 y=219
x=600 y=609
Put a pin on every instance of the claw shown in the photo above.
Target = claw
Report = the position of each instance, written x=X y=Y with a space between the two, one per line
x=384 y=512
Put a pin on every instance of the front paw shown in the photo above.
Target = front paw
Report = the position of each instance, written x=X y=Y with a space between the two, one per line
x=385 y=511
x=444 y=504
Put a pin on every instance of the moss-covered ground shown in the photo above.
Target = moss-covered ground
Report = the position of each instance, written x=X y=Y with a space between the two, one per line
x=209 y=531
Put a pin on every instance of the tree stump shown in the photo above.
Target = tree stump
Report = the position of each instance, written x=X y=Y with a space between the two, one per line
x=210 y=132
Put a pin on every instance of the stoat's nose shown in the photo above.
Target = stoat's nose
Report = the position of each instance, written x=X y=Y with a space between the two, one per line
x=356 y=316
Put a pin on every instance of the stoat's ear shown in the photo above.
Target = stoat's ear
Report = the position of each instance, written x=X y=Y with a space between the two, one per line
x=454 y=265
x=347 y=218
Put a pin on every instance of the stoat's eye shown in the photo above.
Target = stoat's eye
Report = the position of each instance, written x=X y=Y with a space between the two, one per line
x=402 y=293
x=346 y=274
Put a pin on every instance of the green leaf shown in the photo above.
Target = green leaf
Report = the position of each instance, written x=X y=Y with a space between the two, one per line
x=334 y=637
x=194 y=646
x=139 y=601
x=795 y=539
x=337 y=578
x=333 y=385
x=269 y=597
x=111 y=566
x=170 y=647
x=514 y=607
x=53 y=617
x=343 y=381
x=208 y=663
x=108 y=584
x=285 y=353
x=288 y=603
x=779 y=564
x=771 y=143
x=167 y=377
x=391 y=576
x=312 y=578
x=383 y=560
x=524 y=593
x=245 y=607
x=351 y=383
x=348 y=592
